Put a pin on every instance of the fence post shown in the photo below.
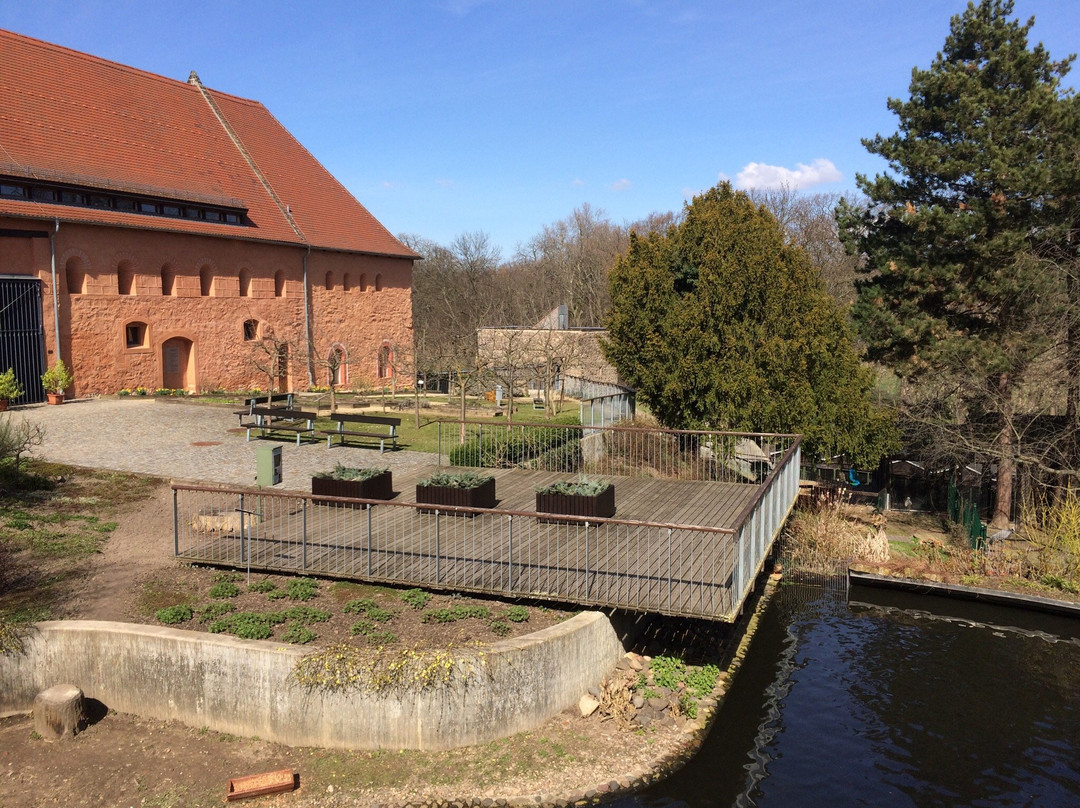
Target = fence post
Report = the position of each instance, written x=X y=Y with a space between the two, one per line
x=175 y=523
x=438 y=552
x=303 y=537
x=243 y=548
x=588 y=588
x=510 y=553
x=370 y=508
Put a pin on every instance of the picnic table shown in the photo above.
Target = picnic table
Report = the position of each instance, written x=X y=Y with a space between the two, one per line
x=388 y=433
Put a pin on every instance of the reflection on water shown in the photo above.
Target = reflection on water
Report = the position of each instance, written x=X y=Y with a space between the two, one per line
x=891 y=701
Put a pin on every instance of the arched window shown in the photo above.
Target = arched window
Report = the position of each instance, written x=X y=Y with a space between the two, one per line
x=125 y=278
x=329 y=281
x=251 y=330
x=385 y=367
x=206 y=281
x=168 y=281
x=279 y=283
x=378 y=283
x=245 y=282
x=135 y=335
x=345 y=282
x=75 y=276
x=362 y=286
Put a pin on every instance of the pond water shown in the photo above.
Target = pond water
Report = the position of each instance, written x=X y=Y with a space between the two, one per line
x=892 y=700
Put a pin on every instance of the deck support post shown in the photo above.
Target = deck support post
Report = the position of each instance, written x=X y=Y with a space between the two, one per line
x=438 y=556
x=303 y=536
x=176 y=522
x=669 y=569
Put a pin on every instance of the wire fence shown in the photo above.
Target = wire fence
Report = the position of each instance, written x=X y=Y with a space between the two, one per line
x=618 y=451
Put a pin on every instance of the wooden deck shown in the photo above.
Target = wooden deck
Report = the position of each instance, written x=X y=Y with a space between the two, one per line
x=671 y=547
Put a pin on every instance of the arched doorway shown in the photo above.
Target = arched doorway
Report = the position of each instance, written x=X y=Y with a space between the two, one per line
x=178 y=364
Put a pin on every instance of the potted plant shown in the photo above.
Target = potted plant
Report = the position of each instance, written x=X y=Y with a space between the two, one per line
x=581 y=497
x=356 y=483
x=10 y=389
x=469 y=489
x=56 y=380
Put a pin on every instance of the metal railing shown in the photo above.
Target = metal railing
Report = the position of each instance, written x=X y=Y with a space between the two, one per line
x=672 y=454
x=675 y=569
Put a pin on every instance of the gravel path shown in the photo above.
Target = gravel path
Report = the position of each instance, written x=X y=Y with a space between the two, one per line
x=184 y=441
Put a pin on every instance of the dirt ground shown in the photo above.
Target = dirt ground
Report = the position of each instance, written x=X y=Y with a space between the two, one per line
x=124 y=760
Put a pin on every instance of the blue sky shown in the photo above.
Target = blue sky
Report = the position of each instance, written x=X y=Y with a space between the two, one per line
x=446 y=116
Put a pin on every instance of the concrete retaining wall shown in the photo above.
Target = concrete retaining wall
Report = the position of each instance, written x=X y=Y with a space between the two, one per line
x=244 y=686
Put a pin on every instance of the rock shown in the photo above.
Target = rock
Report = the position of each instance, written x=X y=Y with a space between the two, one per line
x=623 y=665
x=638 y=701
x=658 y=704
x=594 y=691
x=588 y=705
x=59 y=712
x=635 y=662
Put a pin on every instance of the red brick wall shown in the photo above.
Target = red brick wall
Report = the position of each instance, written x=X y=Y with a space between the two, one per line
x=92 y=322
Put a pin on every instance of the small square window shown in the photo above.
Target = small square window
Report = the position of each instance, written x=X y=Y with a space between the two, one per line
x=100 y=201
x=170 y=210
x=232 y=218
x=251 y=330
x=43 y=194
x=125 y=204
x=147 y=207
x=12 y=190
x=135 y=335
x=213 y=216
x=72 y=198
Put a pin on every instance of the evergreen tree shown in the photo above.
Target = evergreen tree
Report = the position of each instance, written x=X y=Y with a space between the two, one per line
x=957 y=294
x=719 y=322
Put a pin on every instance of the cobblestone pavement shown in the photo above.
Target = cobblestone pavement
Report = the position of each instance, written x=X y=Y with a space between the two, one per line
x=184 y=441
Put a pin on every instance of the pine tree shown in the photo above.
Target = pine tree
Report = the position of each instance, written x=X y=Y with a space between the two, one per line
x=953 y=236
x=719 y=322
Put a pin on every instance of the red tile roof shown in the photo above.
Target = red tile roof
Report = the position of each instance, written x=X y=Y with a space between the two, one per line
x=70 y=117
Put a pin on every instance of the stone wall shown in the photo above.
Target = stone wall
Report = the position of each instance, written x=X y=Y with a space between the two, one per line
x=109 y=278
x=244 y=687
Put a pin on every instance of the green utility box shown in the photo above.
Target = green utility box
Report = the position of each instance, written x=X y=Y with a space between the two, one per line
x=267 y=465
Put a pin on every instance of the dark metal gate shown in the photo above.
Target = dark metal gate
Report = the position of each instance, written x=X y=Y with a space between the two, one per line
x=22 y=338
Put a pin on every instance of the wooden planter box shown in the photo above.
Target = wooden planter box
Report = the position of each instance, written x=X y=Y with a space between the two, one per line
x=600 y=505
x=381 y=486
x=482 y=496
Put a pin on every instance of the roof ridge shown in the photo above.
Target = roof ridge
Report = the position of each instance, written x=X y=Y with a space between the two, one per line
x=285 y=211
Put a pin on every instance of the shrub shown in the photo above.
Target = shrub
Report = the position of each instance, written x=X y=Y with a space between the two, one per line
x=341 y=472
x=10 y=388
x=301 y=589
x=370 y=609
x=517 y=614
x=417 y=598
x=456 y=612
x=581 y=487
x=372 y=633
x=57 y=378
x=298 y=634
x=507 y=450
x=306 y=614
x=499 y=628
x=263 y=587
x=224 y=589
x=212 y=611
x=171 y=615
x=466 y=479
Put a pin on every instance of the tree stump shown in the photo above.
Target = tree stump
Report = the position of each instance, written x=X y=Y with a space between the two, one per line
x=58 y=712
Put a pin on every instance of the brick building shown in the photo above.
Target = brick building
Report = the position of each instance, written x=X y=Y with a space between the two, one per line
x=153 y=232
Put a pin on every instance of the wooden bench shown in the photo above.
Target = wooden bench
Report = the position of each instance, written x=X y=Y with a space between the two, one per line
x=281 y=419
x=343 y=418
x=251 y=403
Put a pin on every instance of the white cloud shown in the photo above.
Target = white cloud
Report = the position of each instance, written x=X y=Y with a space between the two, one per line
x=689 y=193
x=444 y=183
x=578 y=182
x=762 y=175
x=722 y=177
x=620 y=185
x=389 y=185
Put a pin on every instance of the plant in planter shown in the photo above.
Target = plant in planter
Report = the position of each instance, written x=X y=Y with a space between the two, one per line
x=10 y=389
x=358 y=483
x=468 y=489
x=581 y=497
x=55 y=380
